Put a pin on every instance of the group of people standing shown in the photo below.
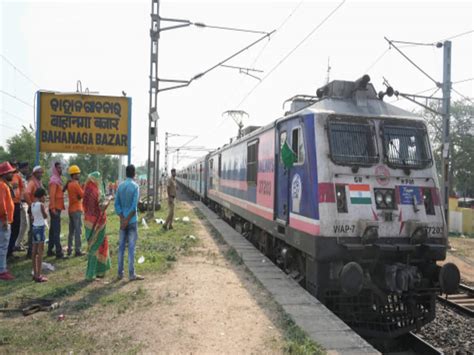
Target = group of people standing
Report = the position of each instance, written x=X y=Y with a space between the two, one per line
x=23 y=207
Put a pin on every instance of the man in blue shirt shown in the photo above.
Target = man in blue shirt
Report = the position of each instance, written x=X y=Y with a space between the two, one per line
x=126 y=200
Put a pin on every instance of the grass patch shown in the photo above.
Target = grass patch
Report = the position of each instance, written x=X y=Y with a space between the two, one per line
x=82 y=301
x=233 y=256
x=297 y=342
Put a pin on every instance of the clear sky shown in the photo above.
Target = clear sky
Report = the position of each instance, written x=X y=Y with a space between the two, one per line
x=105 y=44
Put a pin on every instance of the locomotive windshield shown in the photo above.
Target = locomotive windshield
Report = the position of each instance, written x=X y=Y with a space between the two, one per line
x=406 y=146
x=352 y=143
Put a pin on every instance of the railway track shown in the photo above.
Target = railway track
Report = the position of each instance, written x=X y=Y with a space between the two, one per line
x=418 y=345
x=408 y=344
x=462 y=301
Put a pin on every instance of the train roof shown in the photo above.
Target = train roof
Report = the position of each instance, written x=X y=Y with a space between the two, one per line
x=349 y=98
x=339 y=97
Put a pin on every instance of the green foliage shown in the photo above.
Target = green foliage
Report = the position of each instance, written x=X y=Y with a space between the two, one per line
x=23 y=145
x=106 y=164
x=4 y=154
x=462 y=144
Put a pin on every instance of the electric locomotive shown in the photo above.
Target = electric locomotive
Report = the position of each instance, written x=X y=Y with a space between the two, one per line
x=342 y=193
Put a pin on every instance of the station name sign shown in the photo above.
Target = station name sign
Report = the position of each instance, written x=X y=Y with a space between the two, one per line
x=78 y=123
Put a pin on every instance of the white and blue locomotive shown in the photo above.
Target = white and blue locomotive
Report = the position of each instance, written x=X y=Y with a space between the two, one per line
x=357 y=217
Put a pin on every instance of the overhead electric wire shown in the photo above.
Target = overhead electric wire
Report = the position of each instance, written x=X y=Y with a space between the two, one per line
x=283 y=23
x=278 y=28
x=411 y=44
x=377 y=60
x=411 y=61
x=463 y=96
x=235 y=29
x=19 y=71
x=458 y=35
x=281 y=61
x=15 y=116
x=16 y=98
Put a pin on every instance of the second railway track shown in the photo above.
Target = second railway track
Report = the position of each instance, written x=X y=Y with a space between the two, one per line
x=462 y=301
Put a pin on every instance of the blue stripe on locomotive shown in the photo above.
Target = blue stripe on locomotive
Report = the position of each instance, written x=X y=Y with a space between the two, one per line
x=309 y=205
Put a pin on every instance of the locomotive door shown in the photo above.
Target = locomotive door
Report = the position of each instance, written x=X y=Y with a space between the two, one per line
x=282 y=178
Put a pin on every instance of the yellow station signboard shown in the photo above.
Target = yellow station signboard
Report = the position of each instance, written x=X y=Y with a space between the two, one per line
x=79 y=123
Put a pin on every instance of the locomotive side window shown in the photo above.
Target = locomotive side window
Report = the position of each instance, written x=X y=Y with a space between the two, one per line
x=211 y=163
x=352 y=143
x=297 y=145
x=283 y=137
x=219 y=166
x=252 y=162
x=406 y=147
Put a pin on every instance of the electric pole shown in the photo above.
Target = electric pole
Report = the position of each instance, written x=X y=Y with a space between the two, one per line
x=446 y=106
x=153 y=113
x=155 y=30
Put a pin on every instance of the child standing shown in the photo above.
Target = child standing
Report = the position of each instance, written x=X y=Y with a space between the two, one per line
x=38 y=212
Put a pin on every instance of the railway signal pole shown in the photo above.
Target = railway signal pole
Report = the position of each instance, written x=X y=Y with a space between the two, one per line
x=446 y=107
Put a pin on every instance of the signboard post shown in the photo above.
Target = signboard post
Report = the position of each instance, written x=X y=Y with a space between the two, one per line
x=83 y=124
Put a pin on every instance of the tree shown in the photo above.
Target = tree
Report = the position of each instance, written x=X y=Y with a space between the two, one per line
x=461 y=147
x=4 y=156
x=22 y=146
x=106 y=164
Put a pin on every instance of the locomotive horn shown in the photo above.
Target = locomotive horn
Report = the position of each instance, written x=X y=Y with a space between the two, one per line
x=362 y=82
x=351 y=278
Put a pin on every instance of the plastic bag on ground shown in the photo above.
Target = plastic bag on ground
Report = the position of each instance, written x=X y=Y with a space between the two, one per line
x=186 y=219
x=141 y=259
x=159 y=221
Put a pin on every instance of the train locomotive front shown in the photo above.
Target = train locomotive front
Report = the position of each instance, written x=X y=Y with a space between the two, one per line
x=355 y=216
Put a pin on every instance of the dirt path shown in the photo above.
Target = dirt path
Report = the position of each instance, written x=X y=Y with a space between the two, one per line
x=205 y=304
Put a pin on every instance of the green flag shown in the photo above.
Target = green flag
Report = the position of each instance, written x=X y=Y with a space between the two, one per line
x=287 y=155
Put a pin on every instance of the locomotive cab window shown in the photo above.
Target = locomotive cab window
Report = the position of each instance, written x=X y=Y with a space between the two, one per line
x=297 y=145
x=352 y=143
x=406 y=146
x=283 y=137
x=252 y=162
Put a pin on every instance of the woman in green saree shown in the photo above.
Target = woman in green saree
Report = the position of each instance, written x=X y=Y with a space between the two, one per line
x=95 y=219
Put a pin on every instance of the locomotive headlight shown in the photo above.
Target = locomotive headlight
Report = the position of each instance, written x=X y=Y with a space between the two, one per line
x=385 y=199
x=378 y=198
x=388 y=198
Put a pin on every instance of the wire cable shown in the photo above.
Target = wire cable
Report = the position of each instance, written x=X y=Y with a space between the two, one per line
x=457 y=36
x=19 y=71
x=411 y=61
x=16 y=98
x=463 y=96
x=203 y=25
x=281 y=61
x=283 y=23
x=376 y=60
x=14 y=116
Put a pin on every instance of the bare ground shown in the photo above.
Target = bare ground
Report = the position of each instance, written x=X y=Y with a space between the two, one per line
x=206 y=304
x=462 y=254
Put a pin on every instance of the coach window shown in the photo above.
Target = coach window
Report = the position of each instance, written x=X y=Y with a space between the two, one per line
x=252 y=162
x=297 y=145
x=219 y=166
